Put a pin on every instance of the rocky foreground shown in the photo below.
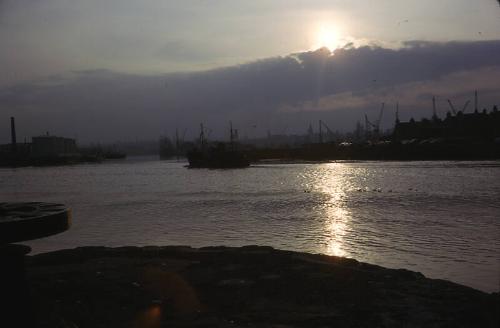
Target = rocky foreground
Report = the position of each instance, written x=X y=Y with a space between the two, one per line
x=242 y=287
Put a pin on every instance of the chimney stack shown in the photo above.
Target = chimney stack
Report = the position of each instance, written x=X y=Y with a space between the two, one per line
x=13 y=133
x=475 y=102
x=434 y=111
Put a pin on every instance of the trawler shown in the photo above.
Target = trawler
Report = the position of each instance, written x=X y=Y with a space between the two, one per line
x=220 y=155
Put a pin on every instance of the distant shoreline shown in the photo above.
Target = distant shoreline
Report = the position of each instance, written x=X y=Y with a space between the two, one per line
x=248 y=286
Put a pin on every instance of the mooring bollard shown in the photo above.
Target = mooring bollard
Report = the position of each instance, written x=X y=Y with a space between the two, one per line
x=22 y=222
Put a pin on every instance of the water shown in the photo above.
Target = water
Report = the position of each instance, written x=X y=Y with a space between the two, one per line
x=438 y=218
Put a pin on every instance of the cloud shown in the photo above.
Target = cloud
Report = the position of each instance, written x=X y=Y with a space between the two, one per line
x=457 y=86
x=275 y=93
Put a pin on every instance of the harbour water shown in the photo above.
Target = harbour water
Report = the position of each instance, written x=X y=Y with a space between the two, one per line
x=438 y=218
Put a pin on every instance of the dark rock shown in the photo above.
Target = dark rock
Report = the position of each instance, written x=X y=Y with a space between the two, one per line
x=253 y=286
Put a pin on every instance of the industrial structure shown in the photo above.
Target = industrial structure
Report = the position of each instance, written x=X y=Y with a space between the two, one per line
x=478 y=125
x=45 y=149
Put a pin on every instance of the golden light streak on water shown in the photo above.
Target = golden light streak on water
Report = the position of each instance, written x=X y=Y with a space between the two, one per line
x=336 y=228
x=333 y=184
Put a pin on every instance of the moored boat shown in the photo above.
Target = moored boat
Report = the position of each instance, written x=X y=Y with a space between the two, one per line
x=217 y=157
x=220 y=155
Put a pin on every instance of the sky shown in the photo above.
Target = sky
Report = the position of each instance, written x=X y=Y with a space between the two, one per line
x=120 y=69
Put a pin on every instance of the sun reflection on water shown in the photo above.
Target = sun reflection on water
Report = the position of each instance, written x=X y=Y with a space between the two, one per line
x=335 y=229
x=333 y=182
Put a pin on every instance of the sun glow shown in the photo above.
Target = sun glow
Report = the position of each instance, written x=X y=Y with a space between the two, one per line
x=327 y=36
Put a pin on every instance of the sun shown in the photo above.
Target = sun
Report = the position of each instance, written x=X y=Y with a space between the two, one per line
x=327 y=36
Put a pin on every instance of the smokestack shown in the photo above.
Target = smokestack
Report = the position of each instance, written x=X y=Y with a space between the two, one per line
x=434 y=112
x=475 y=101
x=397 y=112
x=13 y=133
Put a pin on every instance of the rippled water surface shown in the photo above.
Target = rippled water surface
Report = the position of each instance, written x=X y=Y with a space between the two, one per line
x=439 y=218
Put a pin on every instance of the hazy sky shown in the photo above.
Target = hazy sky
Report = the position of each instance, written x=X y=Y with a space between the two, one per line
x=42 y=37
x=51 y=49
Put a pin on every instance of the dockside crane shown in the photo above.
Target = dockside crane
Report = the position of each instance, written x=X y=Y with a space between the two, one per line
x=454 y=111
x=368 y=126
x=465 y=106
x=330 y=132
x=374 y=125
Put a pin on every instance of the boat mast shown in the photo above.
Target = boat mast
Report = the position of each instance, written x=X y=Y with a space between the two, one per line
x=397 y=112
x=177 y=142
x=320 y=132
x=202 y=135
x=434 y=111
x=231 y=134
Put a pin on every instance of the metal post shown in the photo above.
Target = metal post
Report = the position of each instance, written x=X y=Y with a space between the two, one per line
x=13 y=134
x=320 y=133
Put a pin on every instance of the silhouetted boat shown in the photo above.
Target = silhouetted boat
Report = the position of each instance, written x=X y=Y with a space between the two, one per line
x=218 y=156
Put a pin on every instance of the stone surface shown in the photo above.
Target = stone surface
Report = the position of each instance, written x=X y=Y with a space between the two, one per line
x=242 y=287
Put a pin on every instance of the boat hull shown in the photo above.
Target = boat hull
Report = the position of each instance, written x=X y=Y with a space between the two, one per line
x=217 y=160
